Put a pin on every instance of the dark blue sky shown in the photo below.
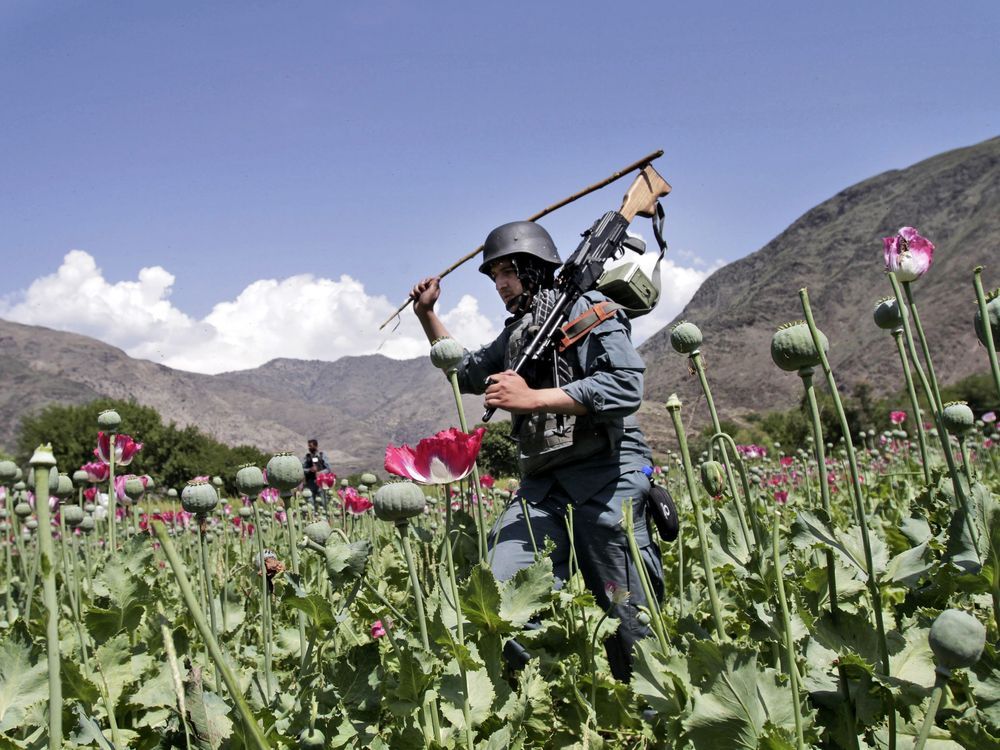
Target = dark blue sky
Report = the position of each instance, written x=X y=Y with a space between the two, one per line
x=231 y=142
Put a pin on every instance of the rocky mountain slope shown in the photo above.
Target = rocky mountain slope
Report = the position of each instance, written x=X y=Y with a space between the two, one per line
x=356 y=405
x=835 y=251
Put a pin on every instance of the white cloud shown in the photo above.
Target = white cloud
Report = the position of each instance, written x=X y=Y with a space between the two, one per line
x=678 y=285
x=302 y=317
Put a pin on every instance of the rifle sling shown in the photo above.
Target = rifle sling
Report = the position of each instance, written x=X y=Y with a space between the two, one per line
x=586 y=322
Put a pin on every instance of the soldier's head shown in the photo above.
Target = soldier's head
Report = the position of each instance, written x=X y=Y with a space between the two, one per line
x=521 y=258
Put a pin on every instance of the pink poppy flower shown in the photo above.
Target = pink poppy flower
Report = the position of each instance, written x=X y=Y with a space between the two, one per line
x=989 y=417
x=908 y=254
x=781 y=497
x=269 y=495
x=786 y=461
x=897 y=417
x=97 y=471
x=125 y=448
x=445 y=457
x=487 y=481
x=326 y=479
x=377 y=629
x=355 y=503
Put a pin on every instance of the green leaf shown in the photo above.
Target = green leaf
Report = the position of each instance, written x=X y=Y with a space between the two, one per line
x=119 y=668
x=22 y=683
x=207 y=713
x=416 y=673
x=529 y=591
x=499 y=740
x=89 y=731
x=357 y=675
x=909 y=568
x=653 y=680
x=528 y=711
x=75 y=685
x=157 y=690
x=739 y=706
x=810 y=528
x=481 y=600
x=480 y=693
x=316 y=607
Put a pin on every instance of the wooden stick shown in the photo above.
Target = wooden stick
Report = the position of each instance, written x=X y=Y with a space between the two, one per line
x=565 y=201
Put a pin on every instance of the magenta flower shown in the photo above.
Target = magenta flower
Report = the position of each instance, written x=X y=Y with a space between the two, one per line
x=786 y=461
x=125 y=448
x=487 y=481
x=781 y=497
x=97 y=471
x=445 y=457
x=377 y=629
x=326 y=479
x=908 y=254
x=897 y=417
x=989 y=417
x=355 y=503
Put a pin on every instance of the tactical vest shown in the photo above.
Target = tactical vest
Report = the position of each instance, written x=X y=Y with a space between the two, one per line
x=549 y=441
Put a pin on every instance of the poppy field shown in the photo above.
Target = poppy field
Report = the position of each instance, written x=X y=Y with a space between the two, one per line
x=841 y=593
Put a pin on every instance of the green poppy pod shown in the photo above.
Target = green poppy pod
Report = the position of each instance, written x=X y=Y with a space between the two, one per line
x=22 y=510
x=8 y=472
x=307 y=494
x=108 y=419
x=887 y=315
x=134 y=488
x=4 y=527
x=171 y=492
x=80 y=478
x=250 y=481
x=199 y=498
x=89 y=507
x=87 y=524
x=685 y=337
x=362 y=488
x=318 y=532
x=957 y=417
x=311 y=739
x=73 y=515
x=446 y=353
x=245 y=512
x=399 y=501
x=369 y=478
x=993 y=313
x=792 y=347
x=673 y=403
x=344 y=482
x=713 y=478
x=31 y=524
x=217 y=482
x=284 y=472
x=957 y=640
x=64 y=486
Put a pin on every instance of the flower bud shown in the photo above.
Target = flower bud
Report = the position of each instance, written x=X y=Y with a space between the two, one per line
x=887 y=315
x=713 y=478
x=685 y=337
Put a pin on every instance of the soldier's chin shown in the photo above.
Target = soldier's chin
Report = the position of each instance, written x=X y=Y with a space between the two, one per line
x=514 y=304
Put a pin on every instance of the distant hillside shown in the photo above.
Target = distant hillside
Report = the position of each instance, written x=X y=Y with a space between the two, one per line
x=835 y=250
x=356 y=405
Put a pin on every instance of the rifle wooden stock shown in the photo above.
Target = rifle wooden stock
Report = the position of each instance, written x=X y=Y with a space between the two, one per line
x=640 y=199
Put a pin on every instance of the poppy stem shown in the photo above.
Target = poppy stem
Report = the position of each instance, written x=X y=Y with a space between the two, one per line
x=991 y=345
x=918 y=416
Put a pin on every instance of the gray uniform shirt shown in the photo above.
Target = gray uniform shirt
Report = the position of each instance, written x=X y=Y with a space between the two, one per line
x=610 y=388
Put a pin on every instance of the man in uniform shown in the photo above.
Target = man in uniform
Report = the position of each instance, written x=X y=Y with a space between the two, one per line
x=578 y=440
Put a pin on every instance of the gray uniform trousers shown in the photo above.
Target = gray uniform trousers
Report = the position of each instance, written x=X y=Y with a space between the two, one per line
x=601 y=551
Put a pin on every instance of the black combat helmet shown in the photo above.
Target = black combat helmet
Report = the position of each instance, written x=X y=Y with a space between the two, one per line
x=519 y=238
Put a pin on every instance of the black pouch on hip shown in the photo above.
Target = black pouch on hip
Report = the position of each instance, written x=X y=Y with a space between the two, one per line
x=660 y=507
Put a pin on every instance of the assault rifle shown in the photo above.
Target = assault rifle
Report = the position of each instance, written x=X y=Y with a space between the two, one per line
x=585 y=266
